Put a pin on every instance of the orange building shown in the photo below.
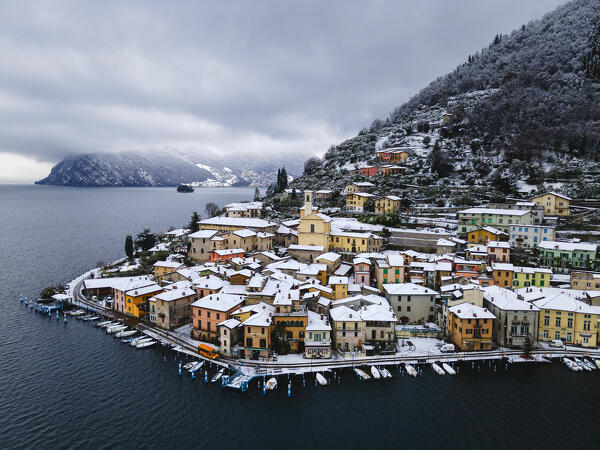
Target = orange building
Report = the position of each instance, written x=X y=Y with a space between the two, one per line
x=369 y=171
x=226 y=254
x=470 y=327
x=211 y=310
x=503 y=274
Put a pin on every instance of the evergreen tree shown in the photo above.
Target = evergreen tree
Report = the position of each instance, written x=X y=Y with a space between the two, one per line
x=256 y=194
x=284 y=179
x=193 y=226
x=145 y=240
x=527 y=348
x=129 y=246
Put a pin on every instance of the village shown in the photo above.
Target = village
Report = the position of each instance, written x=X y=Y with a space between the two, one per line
x=336 y=288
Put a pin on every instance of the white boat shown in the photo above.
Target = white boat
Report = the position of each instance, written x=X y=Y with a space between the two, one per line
x=597 y=362
x=375 y=373
x=321 y=379
x=108 y=324
x=196 y=366
x=362 y=374
x=385 y=373
x=590 y=364
x=449 y=370
x=271 y=384
x=145 y=344
x=91 y=319
x=437 y=369
x=189 y=365
x=581 y=364
x=79 y=312
x=125 y=333
x=217 y=376
x=572 y=365
x=103 y=324
x=116 y=329
x=411 y=370
x=135 y=342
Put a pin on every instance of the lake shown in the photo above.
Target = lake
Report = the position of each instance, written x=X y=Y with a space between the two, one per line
x=72 y=386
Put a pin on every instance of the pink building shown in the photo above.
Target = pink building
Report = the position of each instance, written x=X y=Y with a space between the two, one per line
x=362 y=271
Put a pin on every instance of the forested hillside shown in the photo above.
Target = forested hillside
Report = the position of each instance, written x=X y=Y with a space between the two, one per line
x=523 y=114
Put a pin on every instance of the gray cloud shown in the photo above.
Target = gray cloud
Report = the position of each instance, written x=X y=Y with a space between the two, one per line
x=224 y=76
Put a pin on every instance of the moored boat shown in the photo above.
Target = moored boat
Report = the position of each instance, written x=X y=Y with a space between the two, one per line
x=321 y=379
x=116 y=329
x=197 y=365
x=437 y=369
x=134 y=342
x=271 y=384
x=145 y=344
x=125 y=333
x=385 y=373
x=362 y=374
x=217 y=376
x=375 y=373
x=411 y=370
x=449 y=370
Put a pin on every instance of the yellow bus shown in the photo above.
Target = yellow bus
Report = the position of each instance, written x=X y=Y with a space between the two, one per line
x=207 y=351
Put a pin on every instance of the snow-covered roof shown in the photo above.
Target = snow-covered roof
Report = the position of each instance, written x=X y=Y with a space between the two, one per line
x=228 y=251
x=407 y=289
x=471 y=311
x=143 y=290
x=344 y=314
x=203 y=234
x=168 y=264
x=503 y=266
x=506 y=299
x=171 y=294
x=230 y=323
x=312 y=248
x=245 y=222
x=210 y=282
x=498 y=244
x=395 y=260
x=338 y=280
x=563 y=302
x=262 y=319
x=377 y=313
x=568 y=246
x=317 y=323
x=496 y=211
x=553 y=193
x=219 y=302
x=244 y=233
x=329 y=256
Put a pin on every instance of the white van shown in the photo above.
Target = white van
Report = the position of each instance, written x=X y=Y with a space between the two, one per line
x=447 y=348
x=557 y=343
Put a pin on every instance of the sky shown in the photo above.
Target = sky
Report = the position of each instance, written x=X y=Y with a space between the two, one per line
x=253 y=77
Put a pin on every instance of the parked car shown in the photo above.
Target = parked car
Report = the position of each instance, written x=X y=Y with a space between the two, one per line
x=557 y=343
x=447 y=348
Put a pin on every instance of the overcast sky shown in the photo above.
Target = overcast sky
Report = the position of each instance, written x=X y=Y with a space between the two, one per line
x=255 y=76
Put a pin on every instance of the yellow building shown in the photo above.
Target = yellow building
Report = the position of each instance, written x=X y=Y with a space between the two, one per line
x=531 y=276
x=136 y=300
x=387 y=204
x=363 y=186
x=294 y=320
x=339 y=286
x=162 y=269
x=257 y=335
x=554 y=204
x=571 y=321
x=356 y=201
x=355 y=242
x=486 y=234
x=314 y=228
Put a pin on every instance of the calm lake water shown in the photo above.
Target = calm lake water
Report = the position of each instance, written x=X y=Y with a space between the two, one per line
x=75 y=387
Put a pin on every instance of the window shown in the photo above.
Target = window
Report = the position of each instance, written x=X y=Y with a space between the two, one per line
x=408 y=309
x=556 y=335
x=558 y=321
x=399 y=308
x=569 y=323
x=312 y=228
x=546 y=321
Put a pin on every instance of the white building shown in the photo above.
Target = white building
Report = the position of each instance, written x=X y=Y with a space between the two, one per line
x=528 y=236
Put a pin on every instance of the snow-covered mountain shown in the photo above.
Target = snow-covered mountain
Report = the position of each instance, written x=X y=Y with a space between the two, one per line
x=170 y=169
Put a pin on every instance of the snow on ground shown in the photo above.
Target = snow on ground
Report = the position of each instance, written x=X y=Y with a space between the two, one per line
x=184 y=333
x=420 y=347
